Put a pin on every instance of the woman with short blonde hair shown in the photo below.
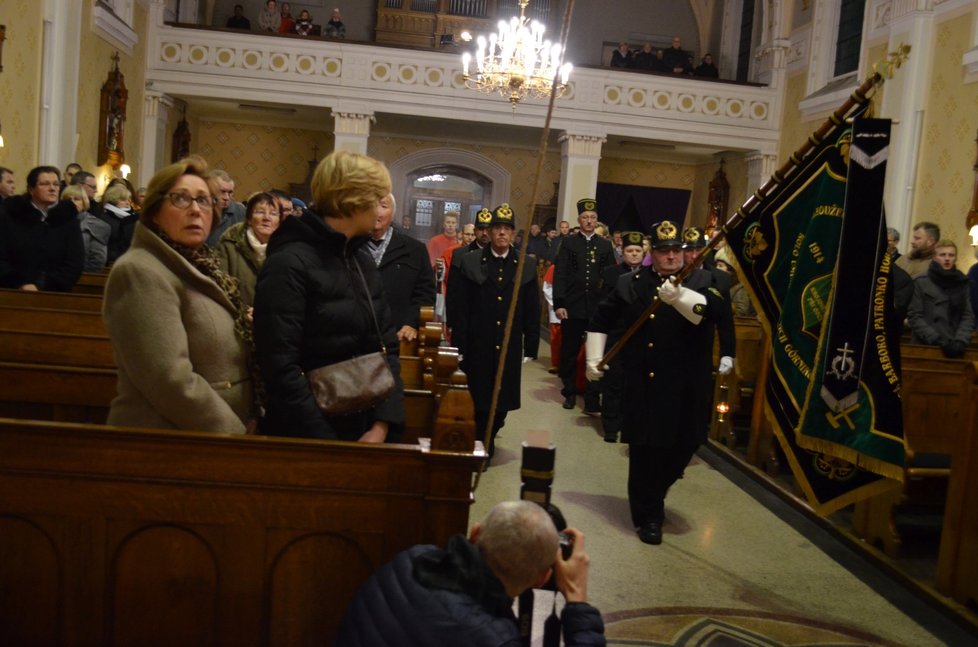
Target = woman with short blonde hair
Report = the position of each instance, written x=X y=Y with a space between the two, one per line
x=317 y=301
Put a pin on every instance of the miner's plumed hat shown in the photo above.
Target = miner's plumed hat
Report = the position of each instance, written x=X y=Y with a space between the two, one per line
x=631 y=238
x=587 y=204
x=503 y=215
x=694 y=238
x=483 y=219
x=666 y=234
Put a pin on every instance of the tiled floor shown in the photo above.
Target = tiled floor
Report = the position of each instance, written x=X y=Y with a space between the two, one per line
x=729 y=547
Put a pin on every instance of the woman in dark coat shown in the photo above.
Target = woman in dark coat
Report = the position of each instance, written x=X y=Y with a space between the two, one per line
x=311 y=309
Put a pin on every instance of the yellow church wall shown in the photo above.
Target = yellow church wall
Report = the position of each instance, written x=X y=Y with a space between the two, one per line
x=19 y=83
x=94 y=66
x=259 y=158
x=945 y=176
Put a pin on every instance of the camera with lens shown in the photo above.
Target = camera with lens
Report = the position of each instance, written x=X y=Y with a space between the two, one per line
x=566 y=545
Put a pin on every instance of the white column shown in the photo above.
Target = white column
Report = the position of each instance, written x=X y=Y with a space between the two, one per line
x=911 y=23
x=61 y=54
x=579 y=158
x=760 y=167
x=156 y=111
x=351 y=130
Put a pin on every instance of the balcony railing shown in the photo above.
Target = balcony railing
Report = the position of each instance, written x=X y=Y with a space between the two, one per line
x=220 y=64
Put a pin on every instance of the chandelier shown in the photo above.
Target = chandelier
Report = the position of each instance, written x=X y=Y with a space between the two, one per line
x=516 y=62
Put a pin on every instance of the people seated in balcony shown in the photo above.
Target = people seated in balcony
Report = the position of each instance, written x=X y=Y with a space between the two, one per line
x=269 y=18
x=237 y=20
x=303 y=26
x=621 y=57
x=335 y=27
x=288 y=22
x=707 y=69
x=676 y=59
x=645 y=59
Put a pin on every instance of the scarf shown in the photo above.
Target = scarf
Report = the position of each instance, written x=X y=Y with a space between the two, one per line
x=377 y=248
x=259 y=247
x=954 y=284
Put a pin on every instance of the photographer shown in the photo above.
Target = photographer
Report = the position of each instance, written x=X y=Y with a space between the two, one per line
x=463 y=594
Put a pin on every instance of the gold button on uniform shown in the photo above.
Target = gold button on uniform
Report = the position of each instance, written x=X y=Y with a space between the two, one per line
x=652 y=316
x=651 y=344
x=651 y=375
x=499 y=298
x=497 y=346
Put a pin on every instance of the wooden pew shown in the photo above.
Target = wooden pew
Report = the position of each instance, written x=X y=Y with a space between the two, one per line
x=58 y=393
x=741 y=383
x=144 y=537
x=936 y=397
x=55 y=348
x=957 y=560
x=91 y=283
x=52 y=320
x=54 y=300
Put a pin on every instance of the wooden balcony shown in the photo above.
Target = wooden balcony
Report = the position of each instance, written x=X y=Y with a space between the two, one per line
x=429 y=23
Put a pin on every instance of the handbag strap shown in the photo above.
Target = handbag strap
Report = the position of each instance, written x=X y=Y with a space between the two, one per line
x=370 y=304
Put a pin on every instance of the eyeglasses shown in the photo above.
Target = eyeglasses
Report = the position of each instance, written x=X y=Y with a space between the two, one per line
x=183 y=201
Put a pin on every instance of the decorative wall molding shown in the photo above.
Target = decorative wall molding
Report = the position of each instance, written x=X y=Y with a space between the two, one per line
x=253 y=67
x=113 y=29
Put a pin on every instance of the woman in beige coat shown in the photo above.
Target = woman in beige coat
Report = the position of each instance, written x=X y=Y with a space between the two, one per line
x=181 y=336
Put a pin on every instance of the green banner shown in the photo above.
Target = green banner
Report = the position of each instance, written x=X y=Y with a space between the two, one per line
x=788 y=255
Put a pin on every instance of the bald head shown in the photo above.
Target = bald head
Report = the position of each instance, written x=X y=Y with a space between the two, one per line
x=518 y=541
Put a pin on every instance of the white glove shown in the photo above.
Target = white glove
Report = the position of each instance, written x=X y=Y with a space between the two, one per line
x=527 y=359
x=593 y=353
x=682 y=299
x=726 y=365
x=669 y=291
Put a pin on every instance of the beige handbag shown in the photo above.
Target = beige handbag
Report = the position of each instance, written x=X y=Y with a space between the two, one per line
x=356 y=384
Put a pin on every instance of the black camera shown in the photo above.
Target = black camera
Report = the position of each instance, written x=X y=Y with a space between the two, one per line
x=566 y=545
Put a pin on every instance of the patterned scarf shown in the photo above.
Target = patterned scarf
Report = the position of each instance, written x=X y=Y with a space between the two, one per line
x=204 y=259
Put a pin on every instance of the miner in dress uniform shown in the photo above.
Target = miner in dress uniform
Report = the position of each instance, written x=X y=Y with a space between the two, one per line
x=484 y=295
x=667 y=366
x=576 y=294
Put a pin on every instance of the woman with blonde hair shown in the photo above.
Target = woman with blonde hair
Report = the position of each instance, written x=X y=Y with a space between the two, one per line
x=95 y=232
x=180 y=334
x=117 y=212
x=319 y=302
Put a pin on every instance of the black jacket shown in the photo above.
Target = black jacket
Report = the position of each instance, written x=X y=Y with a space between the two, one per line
x=49 y=253
x=667 y=363
x=409 y=281
x=460 y=603
x=311 y=311
x=122 y=229
x=485 y=288
x=577 y=278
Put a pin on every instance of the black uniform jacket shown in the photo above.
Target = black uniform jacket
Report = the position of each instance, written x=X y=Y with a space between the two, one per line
x=409 y=282
x=577 y=278
x=485 y=291
x=49 y=253
x=667 y=364
x=311 y=311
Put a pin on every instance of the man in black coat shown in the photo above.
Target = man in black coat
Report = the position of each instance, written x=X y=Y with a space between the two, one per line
x=409 y=282
x=694 y=240
x=667 y=365
x=463 y=594
x=485 y=292
x=452 y=298
x=577 y=290
x=41 y=244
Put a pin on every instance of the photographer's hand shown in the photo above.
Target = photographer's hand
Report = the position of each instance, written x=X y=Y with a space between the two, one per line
x=571 y=574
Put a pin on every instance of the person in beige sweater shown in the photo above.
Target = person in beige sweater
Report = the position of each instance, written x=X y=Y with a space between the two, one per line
x=180 y=334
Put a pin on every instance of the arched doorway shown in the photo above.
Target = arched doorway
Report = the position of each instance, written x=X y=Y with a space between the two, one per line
x=434 y=190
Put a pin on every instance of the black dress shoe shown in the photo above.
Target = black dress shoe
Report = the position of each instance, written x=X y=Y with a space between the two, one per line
x=570 y=402
x=611 y=437
x=651 y=533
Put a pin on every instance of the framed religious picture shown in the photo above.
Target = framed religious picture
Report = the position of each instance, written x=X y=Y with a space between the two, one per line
x=719 y=198
x=112 y=117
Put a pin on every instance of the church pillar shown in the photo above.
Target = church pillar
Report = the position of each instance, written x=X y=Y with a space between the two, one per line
x=760 y=167
x=579 y=158
x=911 y=23
x=351 y=130
x=61 y=48
x=156 y=112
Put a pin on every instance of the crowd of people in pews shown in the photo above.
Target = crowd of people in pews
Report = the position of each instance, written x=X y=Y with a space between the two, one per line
x=669 y=60
x=277 y=18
